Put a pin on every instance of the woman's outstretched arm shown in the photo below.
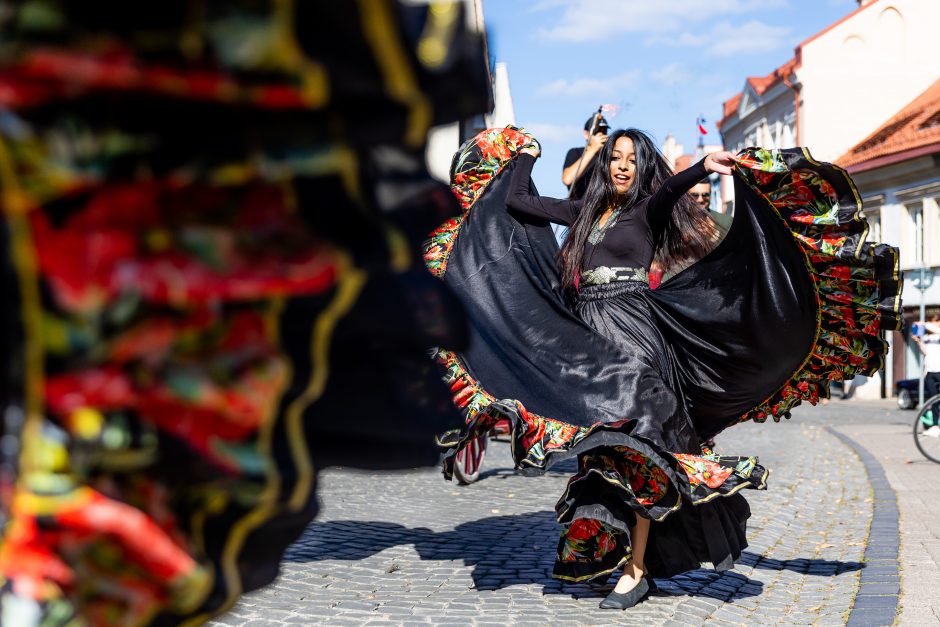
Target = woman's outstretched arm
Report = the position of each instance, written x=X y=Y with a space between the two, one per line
x=552 y=209
x=661 y=203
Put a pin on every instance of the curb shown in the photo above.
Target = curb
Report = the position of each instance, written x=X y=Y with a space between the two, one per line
x=876 y=603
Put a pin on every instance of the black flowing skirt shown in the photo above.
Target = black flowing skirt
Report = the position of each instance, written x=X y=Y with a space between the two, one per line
x=631 y=381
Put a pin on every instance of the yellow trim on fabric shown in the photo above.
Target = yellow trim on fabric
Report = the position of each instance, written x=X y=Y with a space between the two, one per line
x=349 y=287
x=346 y=161
x=819 y=304
x=621 y=485
x=399 y=249
x=855 y=194
x=711 y=497
x=378 y=21
x=813 y=276
x=896 y=275
x=438 y=33
x=267 y=503
x=315 y=87
x=215 y=504
x=607 y=571
x=219 y=501
x=14 y=208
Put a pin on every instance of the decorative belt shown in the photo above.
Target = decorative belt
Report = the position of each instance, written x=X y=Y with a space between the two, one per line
x=603 y=275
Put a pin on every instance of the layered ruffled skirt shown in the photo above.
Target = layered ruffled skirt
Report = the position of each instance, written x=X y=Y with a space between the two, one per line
x=631 y=381
x=211 y=286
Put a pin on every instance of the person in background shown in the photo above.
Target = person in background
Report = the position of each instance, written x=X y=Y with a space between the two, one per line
x=579 y=162
x=929 y=345
x=717 y=224
x=702 y=195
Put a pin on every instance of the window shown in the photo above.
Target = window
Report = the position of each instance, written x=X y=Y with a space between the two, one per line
x=750 y=139
x=912 y=237
x=789 y=131
x=884 y=134
x=768 y=141
x=873 y=216
x=931 y=122
x=932 y=231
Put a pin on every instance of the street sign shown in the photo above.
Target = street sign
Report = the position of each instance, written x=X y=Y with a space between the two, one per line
x=924 y=280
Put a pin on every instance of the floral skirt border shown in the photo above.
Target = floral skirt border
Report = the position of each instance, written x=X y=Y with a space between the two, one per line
x=620 y=476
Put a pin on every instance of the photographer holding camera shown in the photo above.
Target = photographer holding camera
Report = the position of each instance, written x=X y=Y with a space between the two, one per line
x=579 y=162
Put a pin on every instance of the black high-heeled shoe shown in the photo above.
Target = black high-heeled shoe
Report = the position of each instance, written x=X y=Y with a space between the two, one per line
x=626 y=600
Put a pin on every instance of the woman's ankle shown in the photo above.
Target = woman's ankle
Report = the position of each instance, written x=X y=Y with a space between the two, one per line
x=634 y=569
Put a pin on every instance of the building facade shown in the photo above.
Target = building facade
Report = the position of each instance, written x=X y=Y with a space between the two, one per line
x=897 y=171
x=841 y=84
x=859 y=93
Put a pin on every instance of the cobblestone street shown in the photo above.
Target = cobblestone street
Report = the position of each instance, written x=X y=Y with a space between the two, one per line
x=413 y=549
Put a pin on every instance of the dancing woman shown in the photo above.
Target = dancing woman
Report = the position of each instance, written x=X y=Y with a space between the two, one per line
x=586 y=361
x=615 y=232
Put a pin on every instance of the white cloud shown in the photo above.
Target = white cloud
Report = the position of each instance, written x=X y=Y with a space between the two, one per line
x=726 y=39
x=671 y=75
x=589 y=86
x=747 y=38
x=549 y=132
x=596 y=20
x=539 y=6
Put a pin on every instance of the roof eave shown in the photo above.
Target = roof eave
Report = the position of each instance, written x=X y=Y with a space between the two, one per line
x=897 y=157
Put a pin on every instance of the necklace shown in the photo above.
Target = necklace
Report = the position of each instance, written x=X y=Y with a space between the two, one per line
x=598 y=231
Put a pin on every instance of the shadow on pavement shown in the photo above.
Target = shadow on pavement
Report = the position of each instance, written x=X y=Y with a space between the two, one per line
x=520 y=549
x=816 y=567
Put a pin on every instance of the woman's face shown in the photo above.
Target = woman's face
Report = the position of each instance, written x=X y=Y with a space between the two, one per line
x=622 y=165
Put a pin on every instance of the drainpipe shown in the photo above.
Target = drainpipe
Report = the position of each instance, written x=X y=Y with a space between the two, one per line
x=796 y=105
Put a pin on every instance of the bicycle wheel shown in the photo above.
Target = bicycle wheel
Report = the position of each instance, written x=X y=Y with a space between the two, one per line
x=926 y=435
x=469 y=460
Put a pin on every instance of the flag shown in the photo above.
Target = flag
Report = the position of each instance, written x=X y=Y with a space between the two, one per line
x=700 y=121
x=610 y=110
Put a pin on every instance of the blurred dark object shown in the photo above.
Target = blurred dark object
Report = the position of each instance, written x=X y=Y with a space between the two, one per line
x=907 y=393
x=212 y=285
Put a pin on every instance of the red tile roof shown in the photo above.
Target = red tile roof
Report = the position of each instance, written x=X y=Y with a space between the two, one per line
x=730 y=106
x=683 y=162
x=760 y=84
x=911 y=132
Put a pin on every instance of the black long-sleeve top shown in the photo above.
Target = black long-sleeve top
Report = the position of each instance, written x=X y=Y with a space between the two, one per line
x=631 y=241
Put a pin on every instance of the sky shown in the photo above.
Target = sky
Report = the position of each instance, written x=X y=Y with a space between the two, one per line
x=664 y=62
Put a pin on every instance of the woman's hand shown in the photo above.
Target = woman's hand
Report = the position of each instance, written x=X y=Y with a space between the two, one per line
x=532 y=149
x=596 y=142
x=721 y=162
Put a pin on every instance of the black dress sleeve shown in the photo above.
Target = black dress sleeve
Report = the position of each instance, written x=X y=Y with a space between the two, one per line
x=659 y=208
x=551 y=209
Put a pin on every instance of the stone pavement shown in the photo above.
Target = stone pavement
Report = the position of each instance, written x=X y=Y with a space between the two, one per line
x=917 y=484
x=410 y=548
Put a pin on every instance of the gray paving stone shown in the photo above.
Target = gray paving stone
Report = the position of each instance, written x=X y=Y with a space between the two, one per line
x=466 y=555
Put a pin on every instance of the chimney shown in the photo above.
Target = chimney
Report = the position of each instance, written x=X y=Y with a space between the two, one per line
x=862 y=3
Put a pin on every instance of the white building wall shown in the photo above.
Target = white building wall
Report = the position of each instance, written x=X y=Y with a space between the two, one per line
x=444 y=141
x=504 y=113
x=866 y=69
x=889 y=194
x=767 y=121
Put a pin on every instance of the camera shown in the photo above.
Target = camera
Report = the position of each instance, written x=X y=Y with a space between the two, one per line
x=601 y=127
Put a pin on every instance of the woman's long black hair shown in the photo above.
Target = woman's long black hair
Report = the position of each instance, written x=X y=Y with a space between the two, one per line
x=689 y=233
